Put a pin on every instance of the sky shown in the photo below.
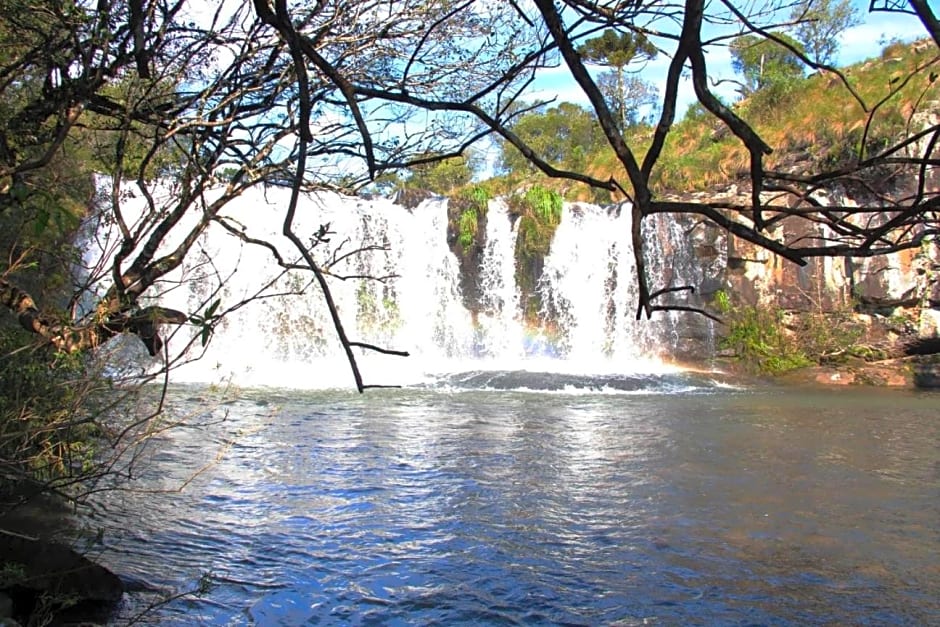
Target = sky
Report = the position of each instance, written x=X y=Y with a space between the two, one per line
x=857 y=44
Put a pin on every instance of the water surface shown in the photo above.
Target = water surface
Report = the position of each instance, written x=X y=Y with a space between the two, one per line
x=674 y=502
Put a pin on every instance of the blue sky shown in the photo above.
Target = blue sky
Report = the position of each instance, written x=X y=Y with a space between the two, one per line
x=858 y=43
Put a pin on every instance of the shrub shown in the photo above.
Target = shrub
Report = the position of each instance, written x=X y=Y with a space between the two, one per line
x=41 y=431
x=472 y=203
x=894 y=49
x=467 y=227
x=764 y=344
x=831 y=337
x=758 y=338
x=539 y=211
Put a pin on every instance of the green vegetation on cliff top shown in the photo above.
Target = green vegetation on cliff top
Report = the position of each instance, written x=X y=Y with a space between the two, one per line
x=810 y=122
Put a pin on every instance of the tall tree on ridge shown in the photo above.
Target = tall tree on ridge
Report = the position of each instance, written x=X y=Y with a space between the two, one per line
x=819 y=23
x=764 y=62
x=617 y=51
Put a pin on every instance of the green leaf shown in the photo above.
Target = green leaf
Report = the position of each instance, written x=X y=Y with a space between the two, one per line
x=41 y=221
x=19 y=192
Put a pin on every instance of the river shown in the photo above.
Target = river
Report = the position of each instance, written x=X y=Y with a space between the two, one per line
x=486 y=499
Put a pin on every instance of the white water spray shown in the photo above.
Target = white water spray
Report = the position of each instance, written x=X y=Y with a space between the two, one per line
x=589 y=284
x=412 y=302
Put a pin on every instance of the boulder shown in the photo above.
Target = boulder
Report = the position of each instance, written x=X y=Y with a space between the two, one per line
x=927 y=374
x=34 y=567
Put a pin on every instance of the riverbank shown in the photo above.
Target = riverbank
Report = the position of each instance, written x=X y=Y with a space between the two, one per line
x=42 y=577
x=915 y=373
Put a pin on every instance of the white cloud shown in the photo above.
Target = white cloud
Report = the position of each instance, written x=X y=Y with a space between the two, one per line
x=865 y=41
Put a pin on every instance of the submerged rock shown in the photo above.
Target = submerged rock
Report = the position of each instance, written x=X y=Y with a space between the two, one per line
x=911 y=373
x=927 y=374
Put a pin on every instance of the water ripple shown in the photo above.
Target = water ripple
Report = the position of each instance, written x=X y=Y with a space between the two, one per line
x=483 y=508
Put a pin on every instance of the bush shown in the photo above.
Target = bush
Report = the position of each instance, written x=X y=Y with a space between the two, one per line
x=894 y=49
x=758 y=338
x=472 y=203
x=467 y=227
x=828 y=338
x=42 y=434
x=539 y=211
x=440 y=177
x=766 y=345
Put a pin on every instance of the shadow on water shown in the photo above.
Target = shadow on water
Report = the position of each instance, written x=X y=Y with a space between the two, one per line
x=476 y=504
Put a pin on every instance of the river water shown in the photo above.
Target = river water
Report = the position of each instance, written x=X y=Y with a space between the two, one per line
x=502 y=499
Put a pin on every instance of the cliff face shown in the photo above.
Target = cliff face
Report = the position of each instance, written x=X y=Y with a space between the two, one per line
x=907 y=279
x=897 y=296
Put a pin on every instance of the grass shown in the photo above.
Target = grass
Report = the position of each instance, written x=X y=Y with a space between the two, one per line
x=815 y=124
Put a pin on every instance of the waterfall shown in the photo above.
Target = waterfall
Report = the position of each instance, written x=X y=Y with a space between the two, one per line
x=672 y=262
x=500 y=318
x=589 y=286
x=412 y=300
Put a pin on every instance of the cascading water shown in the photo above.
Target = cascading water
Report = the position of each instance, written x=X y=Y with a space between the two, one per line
x=672 y=263
x=589 y=285
x=500 y=319
x=412 y=301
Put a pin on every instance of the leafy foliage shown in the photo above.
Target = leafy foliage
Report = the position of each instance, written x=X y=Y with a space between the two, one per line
x=764 y=63
x=468 y=209
x=539 y=211
x=566 y=135
x=819 y=24
x=440 y=177
x=206 y=321
x=758 y=338
x=768 y=341
x=478 y=195
x=831 y=337
x=467 y=227
x=42 y=433
x=617 y=49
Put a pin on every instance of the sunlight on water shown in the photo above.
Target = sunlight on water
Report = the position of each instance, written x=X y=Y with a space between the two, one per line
x=470 y=506
x=327 y=373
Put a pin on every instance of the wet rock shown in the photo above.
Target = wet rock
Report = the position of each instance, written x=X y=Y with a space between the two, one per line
x=895 y=373
x=830 y=377
x=927 y=374
x=6 y=607
x=35 y=568
x=469 y=257
x=411 y=198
